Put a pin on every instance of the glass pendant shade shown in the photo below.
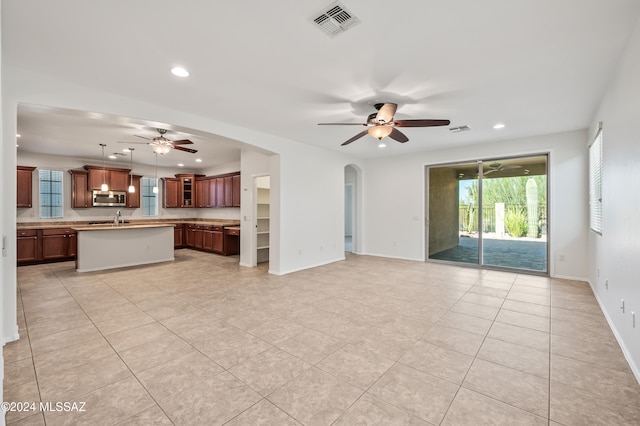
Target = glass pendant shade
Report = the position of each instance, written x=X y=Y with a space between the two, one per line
x=132 y=188
x=104 y=186
x=380 y=132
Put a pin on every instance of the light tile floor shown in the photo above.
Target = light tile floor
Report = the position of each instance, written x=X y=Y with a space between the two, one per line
x=364 y=341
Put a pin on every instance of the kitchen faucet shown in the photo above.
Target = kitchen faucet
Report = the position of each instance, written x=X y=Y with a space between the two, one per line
x=116 y=218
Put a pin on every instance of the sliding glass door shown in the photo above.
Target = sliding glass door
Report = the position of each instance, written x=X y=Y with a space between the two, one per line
x=454 y=213
x=501 y=207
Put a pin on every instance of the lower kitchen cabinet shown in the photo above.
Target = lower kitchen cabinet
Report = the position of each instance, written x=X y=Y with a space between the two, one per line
x=231 y=241
x=211 y=238
x=28 y=246
x=58 y=244
x=178 y=236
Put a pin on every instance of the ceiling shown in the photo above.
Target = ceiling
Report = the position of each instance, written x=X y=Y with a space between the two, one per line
x=538 y=66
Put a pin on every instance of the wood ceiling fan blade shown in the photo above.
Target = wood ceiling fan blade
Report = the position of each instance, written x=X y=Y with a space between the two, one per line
x=355 y=138
x=181 y=148
x=421 y=123
x=386 y=112
x=182 y=142
x=397 y=135
x=341 y=124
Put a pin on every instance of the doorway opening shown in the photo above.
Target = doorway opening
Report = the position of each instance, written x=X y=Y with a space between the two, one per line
x=350 y=208
x=490 y=213
x=263 y=217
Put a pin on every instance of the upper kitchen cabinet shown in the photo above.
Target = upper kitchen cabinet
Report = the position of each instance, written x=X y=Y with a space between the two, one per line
x=80 y=195
x=24 y=186
x=187 y=190
x=170 y=192
x=228 y=190
x=116 y=179
x=191 y=190
x=133 y=198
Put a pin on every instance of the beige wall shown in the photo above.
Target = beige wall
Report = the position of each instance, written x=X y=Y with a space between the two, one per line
x=443 y=209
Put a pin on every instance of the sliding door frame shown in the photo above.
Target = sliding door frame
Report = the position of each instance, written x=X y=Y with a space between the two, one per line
x=480 y=264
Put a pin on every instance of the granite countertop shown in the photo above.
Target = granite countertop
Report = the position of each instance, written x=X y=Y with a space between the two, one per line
x=107 y=223
x=106 y=227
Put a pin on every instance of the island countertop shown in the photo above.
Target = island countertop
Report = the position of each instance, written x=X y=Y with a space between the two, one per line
x=105 y=227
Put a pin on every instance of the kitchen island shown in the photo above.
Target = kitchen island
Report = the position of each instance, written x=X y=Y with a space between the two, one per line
x=103 y=247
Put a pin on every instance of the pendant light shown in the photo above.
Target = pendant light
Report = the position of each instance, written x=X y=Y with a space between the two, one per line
x=131 y=187
x=104 y=186
x=155 y=187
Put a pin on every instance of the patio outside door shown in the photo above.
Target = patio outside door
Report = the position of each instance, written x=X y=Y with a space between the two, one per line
x=502 y=213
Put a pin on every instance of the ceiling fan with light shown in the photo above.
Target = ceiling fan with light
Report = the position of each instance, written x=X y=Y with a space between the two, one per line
x=499 y=167
x=162 y=145
x=381 y=124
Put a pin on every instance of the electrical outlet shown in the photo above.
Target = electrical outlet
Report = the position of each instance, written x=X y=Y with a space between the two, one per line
x=606 y=284
x=561 y=258
x=633 y=319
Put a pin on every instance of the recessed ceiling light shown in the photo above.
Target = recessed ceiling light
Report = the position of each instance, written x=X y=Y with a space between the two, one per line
x=179 y=72
x=381 y=145
x=125 y=150
x=498 y=126
x=180 y=165
x=18 y=135
x=113 y=157
x=198 y=160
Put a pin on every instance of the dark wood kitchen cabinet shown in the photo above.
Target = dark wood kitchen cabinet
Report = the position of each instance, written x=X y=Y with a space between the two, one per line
x=231 y=242
x=133 y=198
x=205 y=192
x=80 y=195
x=170 y=192
x=192 y=190
x=178 y=235
x=28 y=246
x=218 y=239
x=58 y=244
x=228 y=190
x=24 y=181
x=235 y=191
x=117 y=179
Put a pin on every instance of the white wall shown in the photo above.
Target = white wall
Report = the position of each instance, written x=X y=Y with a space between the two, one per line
x=395 y=212
x=5 y=288
x=614 y=256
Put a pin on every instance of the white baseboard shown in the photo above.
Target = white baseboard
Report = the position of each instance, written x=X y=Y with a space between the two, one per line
x=306 y=267
x=569 y=277
x=392 y=257
x=634 y=368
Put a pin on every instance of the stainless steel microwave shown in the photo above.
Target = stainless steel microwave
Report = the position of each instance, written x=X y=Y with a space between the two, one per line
x=109 y=198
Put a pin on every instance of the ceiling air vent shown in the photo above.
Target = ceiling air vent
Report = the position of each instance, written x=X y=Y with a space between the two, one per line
x=334 y=19
x=459 y=129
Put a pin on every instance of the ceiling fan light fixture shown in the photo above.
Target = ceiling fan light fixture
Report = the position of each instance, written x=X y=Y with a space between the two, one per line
x=380 y=132
x=498 y=126
x=161 y=148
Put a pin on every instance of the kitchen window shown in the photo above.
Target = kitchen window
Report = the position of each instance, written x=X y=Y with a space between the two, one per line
x=149 y=198
x=51 y=206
